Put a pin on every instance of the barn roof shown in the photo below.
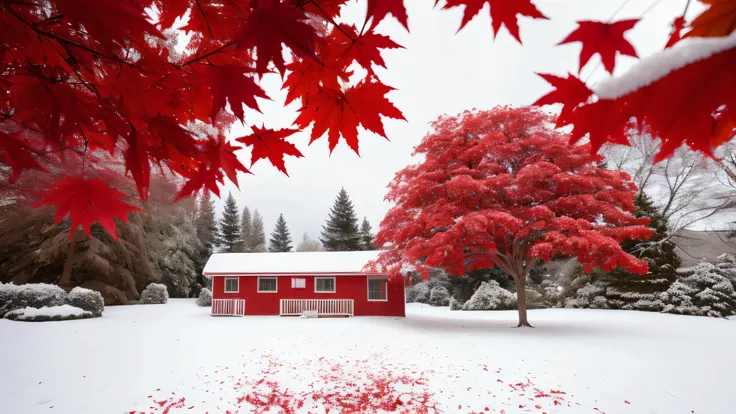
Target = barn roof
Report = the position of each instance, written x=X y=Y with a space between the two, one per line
x=288 y=263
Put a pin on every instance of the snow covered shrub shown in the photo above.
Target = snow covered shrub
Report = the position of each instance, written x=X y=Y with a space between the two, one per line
x=491 y=296
x=46 y=313
x=86 y=299
x=154 y=294
x=591 y=295
x=439 y=296
x=418 y=293
x=30 y=295
x=205 y=298
x=455 y=304
x=701 y=290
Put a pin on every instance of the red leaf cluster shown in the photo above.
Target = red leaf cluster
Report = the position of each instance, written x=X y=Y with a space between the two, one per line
x=502 y=187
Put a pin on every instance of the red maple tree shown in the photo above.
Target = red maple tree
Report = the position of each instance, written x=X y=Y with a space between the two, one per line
x=142 y=84
x=503 y=188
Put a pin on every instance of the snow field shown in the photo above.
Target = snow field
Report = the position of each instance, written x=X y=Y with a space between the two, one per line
x=175 y=358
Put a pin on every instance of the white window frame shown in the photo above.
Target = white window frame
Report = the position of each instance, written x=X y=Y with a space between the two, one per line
x=224 y=287
x=334 y=285
x=258 y=287
x=368 y=288
x=295 y=281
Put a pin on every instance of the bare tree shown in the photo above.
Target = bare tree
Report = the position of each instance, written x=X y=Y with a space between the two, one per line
x=688 y=188
x=308 y=245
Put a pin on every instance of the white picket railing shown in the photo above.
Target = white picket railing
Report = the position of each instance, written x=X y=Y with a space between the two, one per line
x=323 y=307
x=230 y=307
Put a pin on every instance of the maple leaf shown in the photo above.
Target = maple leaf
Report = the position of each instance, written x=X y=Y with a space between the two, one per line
x=719 y=20
x=339 y=113
x=170 y=10
x=271 y=144
x=603 y=121
x=306 y=77
x=503 y=13
x=18 y=156
x=604 y=39
x=677 y=26
x=379 y=9
x=87 y=201
x=570 y=92
x=272 y=23
x=218 y=158
x=329 y=8
x=230 y=83
x=365 y=49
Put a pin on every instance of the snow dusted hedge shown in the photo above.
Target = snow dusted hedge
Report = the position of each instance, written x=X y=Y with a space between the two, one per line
x=45 y=314
x=155 y=294
x=44 y=302
x=205 y=298
x=87 y=299
x=31 y=295
x=439 y=296
x=491 y=296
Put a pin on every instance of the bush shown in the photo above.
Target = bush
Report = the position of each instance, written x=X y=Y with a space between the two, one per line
x=48 y=313
x=205 y=297
x=86 y=299
x=418 y=293
x=30 y=295
x=455 y=304
x=702 y=290
x=491 y=296
x=439 y=296
x=155 y=294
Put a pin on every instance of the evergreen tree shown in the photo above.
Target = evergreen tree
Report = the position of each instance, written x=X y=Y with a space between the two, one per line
x=229 y=239
x=366 y=237
x=340 y=232
x=206 y=227
x=280 y=238
x=246 y=226
x=308 y=245
x=257 y=235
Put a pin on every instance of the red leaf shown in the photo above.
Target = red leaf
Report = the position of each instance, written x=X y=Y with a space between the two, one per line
x=18 y=156
x=170 y=10
x=365 y=49
x=331 y=8
x=503 y=13
x=604 y=39
x=306 y=77
x=570 y=92
x=339 y=113
x=87 y=201
x=230 y=83
x=677 y=25
x=271 y=144
x=379 y=9
x=719 y=20
x=272 y=23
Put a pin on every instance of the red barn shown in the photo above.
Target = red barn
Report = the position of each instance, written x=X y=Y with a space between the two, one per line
x=288 y=284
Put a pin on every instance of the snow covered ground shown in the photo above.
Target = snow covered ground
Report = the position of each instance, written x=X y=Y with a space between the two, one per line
x=175 y=358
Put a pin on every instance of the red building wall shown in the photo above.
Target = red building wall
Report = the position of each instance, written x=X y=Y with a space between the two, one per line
x=346 y=287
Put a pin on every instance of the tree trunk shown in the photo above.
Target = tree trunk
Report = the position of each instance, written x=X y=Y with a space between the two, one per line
x=65 y=282
x=521 y=301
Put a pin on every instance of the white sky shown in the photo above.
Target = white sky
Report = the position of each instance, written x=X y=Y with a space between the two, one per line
x=439 y=72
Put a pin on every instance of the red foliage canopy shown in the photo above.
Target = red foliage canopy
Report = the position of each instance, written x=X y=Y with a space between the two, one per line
x=90 y=84
x=502 y=187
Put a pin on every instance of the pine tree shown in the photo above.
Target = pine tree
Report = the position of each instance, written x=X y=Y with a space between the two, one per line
x=340 y=232
x=230 y=226
x=206 y=226
x=246 y=227
x=280 y=238
x=257 y=235
x=366 y=236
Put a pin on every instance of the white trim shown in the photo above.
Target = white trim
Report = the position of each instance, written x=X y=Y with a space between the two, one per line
x=299 y=274
x=368 y=288
x=334 y=285
x=258 y=285
x=224 y=286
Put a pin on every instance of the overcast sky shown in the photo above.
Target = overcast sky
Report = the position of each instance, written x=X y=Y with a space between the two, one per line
x=439 y=72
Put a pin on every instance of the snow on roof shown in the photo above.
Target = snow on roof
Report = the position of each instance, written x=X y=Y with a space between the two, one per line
x=288 y=263
x=655 y=67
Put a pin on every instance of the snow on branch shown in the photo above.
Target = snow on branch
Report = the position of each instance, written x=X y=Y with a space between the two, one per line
x=661 y=64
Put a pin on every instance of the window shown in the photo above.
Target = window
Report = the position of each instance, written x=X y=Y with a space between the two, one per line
x=298 y=283
x=324 y=284
x=378 y=289
x=231 y=285
x=267 y=284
